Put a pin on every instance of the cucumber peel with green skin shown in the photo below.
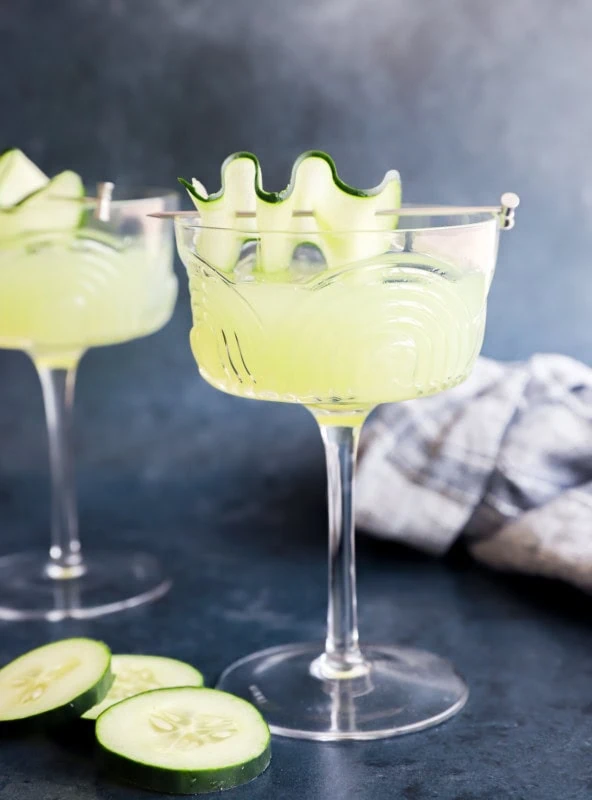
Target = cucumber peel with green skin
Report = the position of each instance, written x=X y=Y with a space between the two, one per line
x=53 y=684
x=32 y=204
x=342 y=225
x=183 y=740
x=135 y=674
x=19 y=178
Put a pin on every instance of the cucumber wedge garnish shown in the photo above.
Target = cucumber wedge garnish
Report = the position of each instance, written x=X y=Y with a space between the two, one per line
x=183 y=741
x=136 y=674
x=314 y=187
x=53 y=684
x=19 y=178
x=54 y=208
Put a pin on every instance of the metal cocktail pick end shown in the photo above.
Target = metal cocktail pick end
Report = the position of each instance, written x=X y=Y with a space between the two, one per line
x=509 y=202
x=104 y=196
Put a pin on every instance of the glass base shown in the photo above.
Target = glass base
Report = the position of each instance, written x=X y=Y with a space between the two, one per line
x=404 y=690
x=110 y=581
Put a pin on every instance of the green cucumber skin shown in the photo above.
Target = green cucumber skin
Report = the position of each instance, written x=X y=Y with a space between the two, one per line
x=277 y=197
x=63 y=714
x=158 y=779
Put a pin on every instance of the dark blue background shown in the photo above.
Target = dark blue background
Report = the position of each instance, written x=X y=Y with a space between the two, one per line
x=468 y=99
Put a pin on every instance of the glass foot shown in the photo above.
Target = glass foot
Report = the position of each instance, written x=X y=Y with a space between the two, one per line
x=404 y=690
x=110 y=581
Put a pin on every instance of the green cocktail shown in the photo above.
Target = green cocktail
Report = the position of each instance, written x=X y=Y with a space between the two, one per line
x=347 y=339
x=338 y=300
x=76 y=272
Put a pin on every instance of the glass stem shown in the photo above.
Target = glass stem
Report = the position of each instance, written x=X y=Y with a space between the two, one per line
x=342 y=657
x=65 y=557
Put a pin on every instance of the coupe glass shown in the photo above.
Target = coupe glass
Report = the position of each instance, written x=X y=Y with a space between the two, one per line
x=340 y=322
x=62 y=291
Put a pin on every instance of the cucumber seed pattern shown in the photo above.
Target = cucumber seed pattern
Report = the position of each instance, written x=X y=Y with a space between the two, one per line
x=130 y=681
x=32 y=685
x=182 y=730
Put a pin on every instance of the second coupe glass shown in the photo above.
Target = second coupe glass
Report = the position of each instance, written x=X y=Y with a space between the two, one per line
x=107 y=280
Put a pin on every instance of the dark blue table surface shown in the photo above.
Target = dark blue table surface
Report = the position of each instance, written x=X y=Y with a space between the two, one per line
x=230 y=494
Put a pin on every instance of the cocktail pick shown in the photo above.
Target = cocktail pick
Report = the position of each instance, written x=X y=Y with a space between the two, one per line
x=509 y=202
x=104 y=197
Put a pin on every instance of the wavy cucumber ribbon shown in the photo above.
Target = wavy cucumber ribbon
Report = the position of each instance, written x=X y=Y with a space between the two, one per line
x=344 y=225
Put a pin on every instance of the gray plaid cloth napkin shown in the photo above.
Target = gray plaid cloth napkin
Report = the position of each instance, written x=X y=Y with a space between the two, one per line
x=504 y=459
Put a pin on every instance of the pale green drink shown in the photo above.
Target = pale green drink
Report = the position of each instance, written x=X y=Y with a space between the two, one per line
x=346 y=339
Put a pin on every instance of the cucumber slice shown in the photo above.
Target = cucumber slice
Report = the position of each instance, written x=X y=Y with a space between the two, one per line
x=53 y=684
x=314 y=186
x=183 y=741
x=19 y=178
x=54 y=208
x=136 y=674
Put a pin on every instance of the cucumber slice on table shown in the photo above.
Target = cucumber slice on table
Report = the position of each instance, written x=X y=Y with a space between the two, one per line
x=136 y=674
x=53 y=684
x=183 y=741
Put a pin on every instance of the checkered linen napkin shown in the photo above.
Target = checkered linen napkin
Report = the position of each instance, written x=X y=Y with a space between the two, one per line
x=505 y=459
